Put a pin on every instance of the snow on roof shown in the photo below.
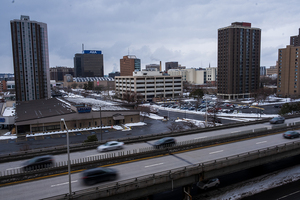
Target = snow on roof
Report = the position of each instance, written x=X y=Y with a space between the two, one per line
x=9 y=111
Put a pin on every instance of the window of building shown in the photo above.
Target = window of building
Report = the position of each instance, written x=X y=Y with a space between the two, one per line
x=295 y=86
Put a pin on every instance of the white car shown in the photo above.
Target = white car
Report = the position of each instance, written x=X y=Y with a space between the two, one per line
x=204 y=185
x=112 y=145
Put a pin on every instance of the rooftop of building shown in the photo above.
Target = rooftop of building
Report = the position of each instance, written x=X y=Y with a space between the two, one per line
x=41 y=108
x=87 y=79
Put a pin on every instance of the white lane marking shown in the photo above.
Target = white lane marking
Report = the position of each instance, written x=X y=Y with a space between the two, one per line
x=261 y=142
x=63 y=183
x=154 y=165
x=100 y=154
x=283 y=197
x=14 y=168
x=216 y=152
x=235 y=131
x=200 y=137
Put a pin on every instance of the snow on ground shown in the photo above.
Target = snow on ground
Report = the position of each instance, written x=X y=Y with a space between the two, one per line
x=257 y=185
x=9 y=111
x=116 y=127
x=105 y=105
x=151 y=115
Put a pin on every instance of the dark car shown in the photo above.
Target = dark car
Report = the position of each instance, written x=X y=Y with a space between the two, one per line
x=277 y=106
x=38 y=163
x=291 y=134
x=97 y=175
x=164 y=142
x=277 y=120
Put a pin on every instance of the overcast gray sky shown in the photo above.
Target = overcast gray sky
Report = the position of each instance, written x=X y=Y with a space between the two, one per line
x=153 y=30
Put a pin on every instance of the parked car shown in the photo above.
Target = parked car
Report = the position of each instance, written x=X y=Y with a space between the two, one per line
x=38 y=163
x=113 y=145
x=97 y=175
x=165 y=142
x=277 y=120
x=192 y=108
x=204 y=185
x=277 y=106
x=291 y=134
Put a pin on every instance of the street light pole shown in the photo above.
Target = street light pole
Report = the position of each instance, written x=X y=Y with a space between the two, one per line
x=100 y=125
x=69 y=165
x=205 y=112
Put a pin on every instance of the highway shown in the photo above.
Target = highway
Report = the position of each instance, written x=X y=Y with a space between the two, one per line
x=88 y=153
x=130 y=147
x=59 y=185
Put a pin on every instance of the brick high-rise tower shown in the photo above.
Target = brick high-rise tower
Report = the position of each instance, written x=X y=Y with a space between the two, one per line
x=238 y=60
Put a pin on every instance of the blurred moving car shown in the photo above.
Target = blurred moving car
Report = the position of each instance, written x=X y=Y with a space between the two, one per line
x=277 y=106
x=204 y=185
x=112 y=145
x=291 y=134
x=164 y=142
x=38 y=162
x=97 y=175
x=277 y=120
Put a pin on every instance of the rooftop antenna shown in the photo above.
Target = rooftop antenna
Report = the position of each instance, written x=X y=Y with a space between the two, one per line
x=82 y=47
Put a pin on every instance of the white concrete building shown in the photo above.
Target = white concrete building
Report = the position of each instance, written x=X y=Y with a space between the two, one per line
x=149 y=85
x=196 y=76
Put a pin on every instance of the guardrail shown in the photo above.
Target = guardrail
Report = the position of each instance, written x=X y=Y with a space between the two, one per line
x=21 y=155
x=132 y=184
x=111 y=158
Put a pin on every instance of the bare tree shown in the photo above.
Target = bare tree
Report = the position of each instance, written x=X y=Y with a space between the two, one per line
x=145 y=111
x=175 y=126
x=191 y=124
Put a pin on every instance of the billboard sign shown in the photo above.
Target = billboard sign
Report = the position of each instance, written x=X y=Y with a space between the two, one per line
x=92 y=52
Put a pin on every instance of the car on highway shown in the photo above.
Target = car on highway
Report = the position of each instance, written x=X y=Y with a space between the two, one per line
x=97 y=175
x=38 y=162
x=291 y=134
x=277 y=106
x=112 y=145
x=204 y=185
x=164 y=142
x=277 y=120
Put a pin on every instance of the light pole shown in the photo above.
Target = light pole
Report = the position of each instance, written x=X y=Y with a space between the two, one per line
x=69 y=165
x=100 y=124
x=205 y=112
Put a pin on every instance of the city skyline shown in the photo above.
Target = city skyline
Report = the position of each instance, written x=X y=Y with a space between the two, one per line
x=154 y=31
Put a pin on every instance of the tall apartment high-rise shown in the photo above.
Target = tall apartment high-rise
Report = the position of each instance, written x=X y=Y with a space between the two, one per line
x=89 y=64
x=288 y=69
x=295 y=40
x=129 y=64
x=238 y=60
x=31 y=59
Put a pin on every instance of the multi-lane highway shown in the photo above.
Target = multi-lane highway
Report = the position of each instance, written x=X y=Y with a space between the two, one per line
x=59 y=185
x=90 y=153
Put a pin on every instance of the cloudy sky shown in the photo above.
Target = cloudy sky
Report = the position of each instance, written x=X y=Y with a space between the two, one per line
x=153 y=30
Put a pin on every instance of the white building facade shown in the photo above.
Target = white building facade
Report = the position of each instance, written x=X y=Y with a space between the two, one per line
x=196 y=76
x=149 y=85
